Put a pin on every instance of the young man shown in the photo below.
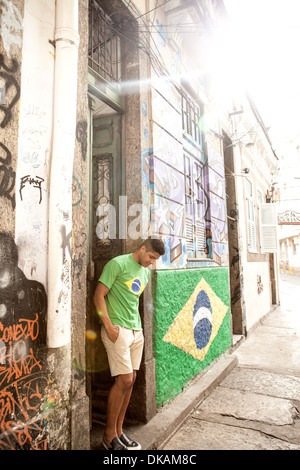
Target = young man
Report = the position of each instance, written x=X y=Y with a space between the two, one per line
x=117 y=299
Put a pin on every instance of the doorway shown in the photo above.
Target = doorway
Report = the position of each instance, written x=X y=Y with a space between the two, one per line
x=106 y=184
x=105 y=181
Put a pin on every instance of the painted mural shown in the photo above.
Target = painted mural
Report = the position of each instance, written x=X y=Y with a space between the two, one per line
x=168 y=210
x=184 y=186
x=191 y=325
x=165 y=177
x=215 y=186
x=191 y=322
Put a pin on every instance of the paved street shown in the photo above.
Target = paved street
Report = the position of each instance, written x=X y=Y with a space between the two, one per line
x=257 y=405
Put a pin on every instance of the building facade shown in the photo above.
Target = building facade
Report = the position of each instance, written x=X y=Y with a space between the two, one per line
x=109 y=134
x=288 y=208
x=251 y=167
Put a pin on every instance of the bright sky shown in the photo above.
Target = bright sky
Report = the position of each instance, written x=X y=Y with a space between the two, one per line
x=264 y=40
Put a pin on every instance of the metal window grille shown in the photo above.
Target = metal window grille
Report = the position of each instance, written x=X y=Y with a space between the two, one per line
x=191 y=116
x=104 y=51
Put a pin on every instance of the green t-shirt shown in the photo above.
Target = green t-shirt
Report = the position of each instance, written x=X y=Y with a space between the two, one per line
x=126 y=280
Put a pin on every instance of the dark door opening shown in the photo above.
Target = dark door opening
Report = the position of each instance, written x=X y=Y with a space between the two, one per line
x=105 y=187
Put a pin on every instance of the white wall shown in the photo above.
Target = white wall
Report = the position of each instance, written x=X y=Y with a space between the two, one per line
x=35 y=133
x=261 y=162
x=257 y=304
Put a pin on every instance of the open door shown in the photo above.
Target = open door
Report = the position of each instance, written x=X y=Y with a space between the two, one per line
x=105 y=185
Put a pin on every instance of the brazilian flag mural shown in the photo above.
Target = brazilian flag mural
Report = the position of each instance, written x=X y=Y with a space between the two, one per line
x=191 y=324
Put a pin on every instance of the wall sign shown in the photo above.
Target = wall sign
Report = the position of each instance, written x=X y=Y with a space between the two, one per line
x=289 y=218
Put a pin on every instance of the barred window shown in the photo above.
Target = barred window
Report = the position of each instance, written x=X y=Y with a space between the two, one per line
x=104 y=49
x=191 y=118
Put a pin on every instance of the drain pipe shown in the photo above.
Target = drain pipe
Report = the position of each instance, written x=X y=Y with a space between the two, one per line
x=60 y=199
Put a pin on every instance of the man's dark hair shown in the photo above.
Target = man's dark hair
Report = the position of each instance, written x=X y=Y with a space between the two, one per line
x=154 y=244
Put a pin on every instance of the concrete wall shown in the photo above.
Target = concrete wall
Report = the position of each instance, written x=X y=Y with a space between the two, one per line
x=257 y=291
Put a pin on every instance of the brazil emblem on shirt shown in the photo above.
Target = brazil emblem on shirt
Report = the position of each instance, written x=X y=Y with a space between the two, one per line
x=198 y=322
x=135 y=285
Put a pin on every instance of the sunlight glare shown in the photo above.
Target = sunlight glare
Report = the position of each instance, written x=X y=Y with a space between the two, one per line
x=267 y=40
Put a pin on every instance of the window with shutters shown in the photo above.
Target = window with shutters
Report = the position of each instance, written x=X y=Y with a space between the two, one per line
x=192 y=112
x=268 y=228
x=194 y=206
x=251 y=218
x=191 y=117
x=260 y=200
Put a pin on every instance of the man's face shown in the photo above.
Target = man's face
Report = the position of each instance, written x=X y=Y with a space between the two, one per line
x=146 y=258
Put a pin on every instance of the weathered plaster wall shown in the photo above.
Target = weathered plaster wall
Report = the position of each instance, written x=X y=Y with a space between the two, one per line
x=80 y=417
x=38 y=392
x=23 y=298
x=35 y=136
x=11 y=36
x=191 y=324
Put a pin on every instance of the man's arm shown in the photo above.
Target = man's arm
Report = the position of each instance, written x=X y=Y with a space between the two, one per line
x=99 y=301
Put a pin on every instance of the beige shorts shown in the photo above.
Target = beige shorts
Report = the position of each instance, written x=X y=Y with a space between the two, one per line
x=125 y=355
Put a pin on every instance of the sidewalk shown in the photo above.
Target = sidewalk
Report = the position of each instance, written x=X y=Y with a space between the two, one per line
x=248 y=399
x=257 y=406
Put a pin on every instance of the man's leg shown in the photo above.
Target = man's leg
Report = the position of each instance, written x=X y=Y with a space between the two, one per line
x=124 y=407
x=119 y=396
x=117 y=404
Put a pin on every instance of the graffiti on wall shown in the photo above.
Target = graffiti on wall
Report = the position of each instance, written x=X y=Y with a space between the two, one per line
x=36 y=182
x=23 y=301
x=11 y=25
x=167 y=213
x=23 y=309
x=168 y=209
x=188 y=205
x=11 y=96
x=12 y=89
x=214 y=183
x=7 y=176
